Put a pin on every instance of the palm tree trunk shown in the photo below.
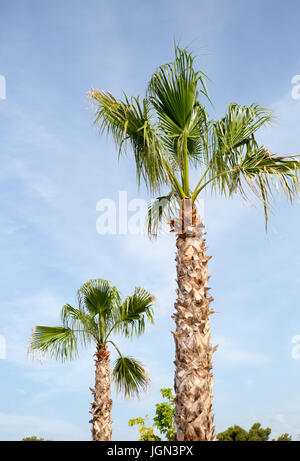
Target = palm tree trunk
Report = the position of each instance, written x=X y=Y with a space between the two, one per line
x=101 y=407
x=193 y=377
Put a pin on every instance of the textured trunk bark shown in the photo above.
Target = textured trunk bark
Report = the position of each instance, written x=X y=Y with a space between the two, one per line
x=101 y=407
x=193 y=376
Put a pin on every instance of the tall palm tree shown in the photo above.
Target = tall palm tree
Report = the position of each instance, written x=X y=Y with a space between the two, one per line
x=100 y=314
x=171 y=135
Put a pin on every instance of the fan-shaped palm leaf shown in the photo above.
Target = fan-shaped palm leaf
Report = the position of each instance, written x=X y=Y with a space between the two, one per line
x=58 y=342
x=130 y=122
x=134 y=312
x=129 y=376
x=81 y=322
x=173 y=91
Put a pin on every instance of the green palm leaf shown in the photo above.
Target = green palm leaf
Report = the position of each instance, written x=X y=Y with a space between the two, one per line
x=97 y=296
x=80 y=321
x=173 y=91
x=129 y=376
x=58 y=342
x=100 y=299
x=130 y=122
x=134 y=312
x=239 y=125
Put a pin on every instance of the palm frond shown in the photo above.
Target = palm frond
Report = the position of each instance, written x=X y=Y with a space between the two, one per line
x=195 y=136
x=239 y=125
x=129 y=376
x=100 y=299
x=197 y=143
x=97 y=296
x=134 y=312
x=58 y=342
x=129 y=122
x=173 y=91
x=261 y=172
x=81 y=321
x=265 y=174
x=232 y=137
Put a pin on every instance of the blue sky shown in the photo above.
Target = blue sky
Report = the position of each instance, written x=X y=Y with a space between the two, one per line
x=54 y=169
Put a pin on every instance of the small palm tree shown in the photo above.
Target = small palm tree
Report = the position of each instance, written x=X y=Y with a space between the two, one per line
x=100 y=313
x=171 y=134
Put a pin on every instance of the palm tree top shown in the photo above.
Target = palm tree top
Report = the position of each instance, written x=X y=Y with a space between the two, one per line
x=100 y=313
x=170 y=132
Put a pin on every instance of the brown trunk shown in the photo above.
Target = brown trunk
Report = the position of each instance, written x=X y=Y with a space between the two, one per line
x=193 y=376
x=101 y=407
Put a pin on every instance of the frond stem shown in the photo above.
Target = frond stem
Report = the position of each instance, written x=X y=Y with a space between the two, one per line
x=111 y=330
x=186 y=167
x=177 y=184
x=197 y=192
x=117 y=349
x=199 y=183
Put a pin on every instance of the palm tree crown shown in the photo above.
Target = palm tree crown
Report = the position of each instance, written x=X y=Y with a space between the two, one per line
x=170 y=133
x=100 y=313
